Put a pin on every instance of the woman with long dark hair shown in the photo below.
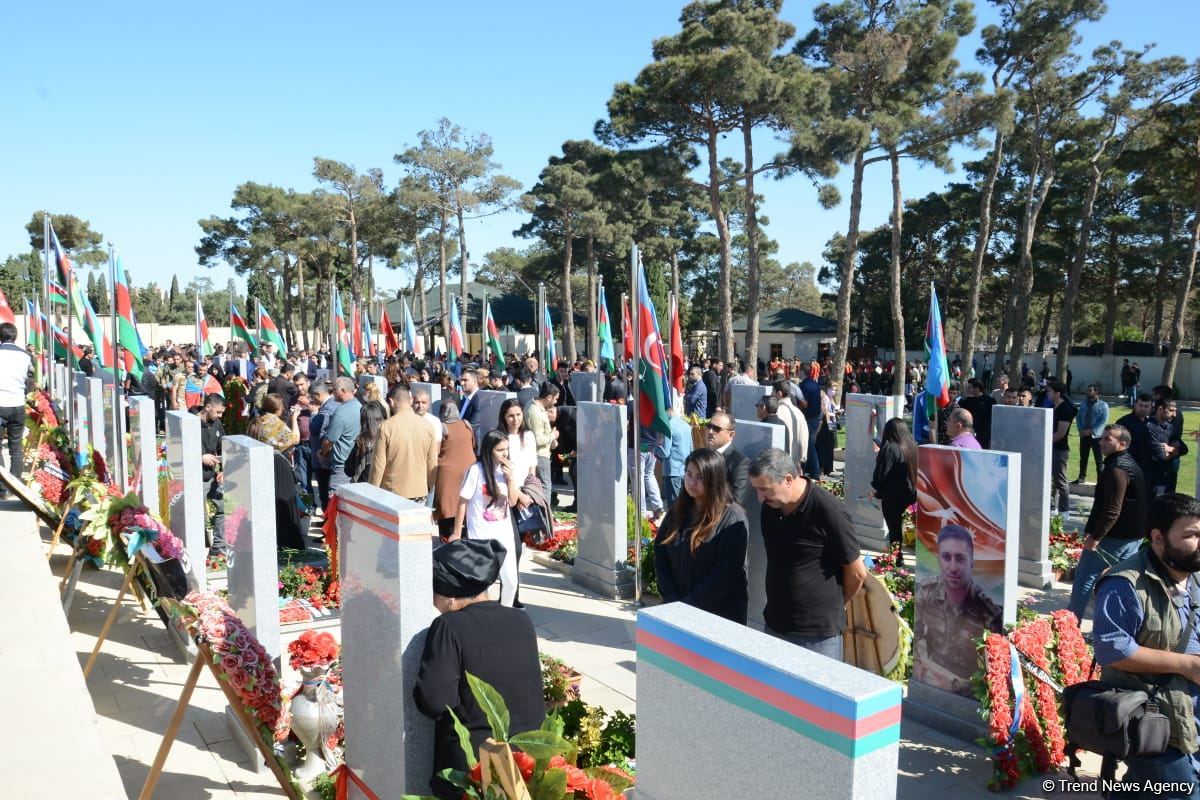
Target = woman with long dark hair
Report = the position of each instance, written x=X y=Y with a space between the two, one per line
x=358 y=463
x=700 y=550
x=485 y=501
x=895 y=479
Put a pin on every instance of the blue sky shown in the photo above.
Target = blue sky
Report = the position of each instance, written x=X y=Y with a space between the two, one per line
x=143 y=117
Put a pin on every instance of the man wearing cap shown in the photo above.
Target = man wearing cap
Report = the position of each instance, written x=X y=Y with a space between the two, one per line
x=478 y=636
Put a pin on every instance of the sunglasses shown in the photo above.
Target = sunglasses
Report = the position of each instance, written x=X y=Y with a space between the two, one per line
x=716 y=428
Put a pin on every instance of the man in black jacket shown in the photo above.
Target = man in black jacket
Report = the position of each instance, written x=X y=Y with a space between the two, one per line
x=1117 y=524
x=719 y=436
x=211 y=432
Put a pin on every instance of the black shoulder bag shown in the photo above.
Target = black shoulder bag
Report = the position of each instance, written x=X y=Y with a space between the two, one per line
x=1119 y=723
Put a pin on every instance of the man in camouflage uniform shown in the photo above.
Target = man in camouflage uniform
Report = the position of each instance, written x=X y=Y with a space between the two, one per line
x=952 y=613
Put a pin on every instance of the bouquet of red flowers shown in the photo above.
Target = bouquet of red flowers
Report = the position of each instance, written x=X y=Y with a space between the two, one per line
x=313 y=649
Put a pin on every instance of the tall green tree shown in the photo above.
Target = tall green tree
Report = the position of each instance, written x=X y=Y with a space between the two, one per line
x=1181 y=136
x=74 y=234
x=352 y=195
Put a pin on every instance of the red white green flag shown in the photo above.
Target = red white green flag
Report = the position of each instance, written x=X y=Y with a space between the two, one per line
x=203 y=343
x=344 y=362
x=493 y=335
x=127 y=335
x=652 y=373
x=238 y=329
x=268 y=332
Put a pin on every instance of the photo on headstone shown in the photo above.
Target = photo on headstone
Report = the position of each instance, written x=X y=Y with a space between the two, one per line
x=966 y=563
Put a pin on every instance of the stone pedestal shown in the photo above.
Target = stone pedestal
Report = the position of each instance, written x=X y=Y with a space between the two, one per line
x=527 y=395
x=487 y=403
x=185 y=488
x=799 y=717
x=114 y=437
x=743 y=401
x=434 y=390
x=387 y=591
x=587 y=387
x=142 y=452
x=866 y=414
x=603 y=489
x=751 y=439
x=1028 y=431
x=253 y=567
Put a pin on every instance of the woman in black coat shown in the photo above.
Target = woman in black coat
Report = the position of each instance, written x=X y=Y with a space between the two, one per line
x=700 y=551
x=895 y=479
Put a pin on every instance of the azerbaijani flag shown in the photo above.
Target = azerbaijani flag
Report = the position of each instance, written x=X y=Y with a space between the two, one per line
x=268 y=333
x=345 y=366
x=86 y=315
x=39 y=342
x=607 y=354
x=200 y=386
x=390 y=342
x=31 y=324
x=652 y=377
x=550 y=357
x=455 y=339
x=127 y=333
x=62 y=345
x=412 y=343
x=937 y=380
x=626 y=330
x=238 y=329
x=61 y=261
x=676 y=348
x=493 y=335
x=203 y=343
x=368 y=334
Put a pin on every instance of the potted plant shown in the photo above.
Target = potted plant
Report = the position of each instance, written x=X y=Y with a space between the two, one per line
x=560 y=683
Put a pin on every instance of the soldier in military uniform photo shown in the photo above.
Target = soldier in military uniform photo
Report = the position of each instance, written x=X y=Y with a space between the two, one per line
x=952 y=613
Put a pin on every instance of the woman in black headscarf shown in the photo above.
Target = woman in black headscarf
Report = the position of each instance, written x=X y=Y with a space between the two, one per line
x=473 y=634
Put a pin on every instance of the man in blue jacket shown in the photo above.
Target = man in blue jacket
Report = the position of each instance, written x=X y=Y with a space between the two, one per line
x=672 y=452
x=695 y=401
x=1093 y=416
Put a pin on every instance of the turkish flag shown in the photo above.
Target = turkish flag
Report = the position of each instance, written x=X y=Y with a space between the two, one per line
x=626 y=330
x=676 y=348
x=6 y=312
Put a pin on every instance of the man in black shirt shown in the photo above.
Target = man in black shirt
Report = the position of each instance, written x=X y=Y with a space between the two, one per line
x=211 y=432
x=1060 y=446
x=1135 y=423
x=979 y=403
x=814 y=565
x=283 y=385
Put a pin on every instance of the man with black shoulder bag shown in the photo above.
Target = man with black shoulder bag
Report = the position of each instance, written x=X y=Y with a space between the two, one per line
x=1147 y=639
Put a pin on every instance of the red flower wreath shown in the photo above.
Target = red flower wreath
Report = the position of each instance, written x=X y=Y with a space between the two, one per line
x=1034 y=640
x=1073 y=654
x=996 y=673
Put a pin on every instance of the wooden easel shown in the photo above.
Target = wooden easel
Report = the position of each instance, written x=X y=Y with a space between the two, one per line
x=499 y=769
x=204 y=657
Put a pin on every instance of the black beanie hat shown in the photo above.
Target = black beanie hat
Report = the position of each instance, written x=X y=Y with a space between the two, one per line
x=466 y=567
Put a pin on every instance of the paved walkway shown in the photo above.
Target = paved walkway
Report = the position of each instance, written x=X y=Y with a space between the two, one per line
x=138 y=677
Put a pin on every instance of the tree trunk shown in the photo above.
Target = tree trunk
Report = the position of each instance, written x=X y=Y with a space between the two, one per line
x=444 y=295
x=319 y=304
x=1185 y=286
x=724 y=301
x=982 y=238
x=303 y=307
x=842 y=343
x=1110 y=291
x=1066 y=319
x=675 y=289
x=1164 y=271
x=419 y=306
x=897 y=308
x=464 y=274
x=1045 y=332
x=1035 y=198
x=289 y=324
x=567 y=307
x=1005 y=332
x=752 y=276
x=592 y=329
x=355 y=274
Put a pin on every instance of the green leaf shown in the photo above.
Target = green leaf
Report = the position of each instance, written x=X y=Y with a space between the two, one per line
x=540 y=744
x=549 y=785
x=493 y=706
x=553 y=723
x=464 y=739
x=460 y=779
x=618 y=782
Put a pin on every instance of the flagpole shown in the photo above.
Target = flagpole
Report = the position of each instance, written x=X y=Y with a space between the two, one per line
x=634 y=447
x=49 y=352
x=483 y=326
x=70 y=289
x=595 y=345
x=118 y=467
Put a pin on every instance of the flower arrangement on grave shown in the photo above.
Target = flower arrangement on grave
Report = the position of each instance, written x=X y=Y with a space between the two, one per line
x=901 y=585
x=909 y=526
x=544 y=759
x=600 y=740
x=235 y=418
x=837 y=487
x=1065 y=549
x=40 y=419
x=563 y=529
x=560 y=683
x=306 y=582
x=240 y=658
x=313 y=649
x=314 y=710
x=128 y=515
x=1031 y=740
x=53 y=467
x=94 y=497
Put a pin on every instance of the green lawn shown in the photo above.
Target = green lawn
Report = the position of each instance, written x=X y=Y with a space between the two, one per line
x=1187 y=470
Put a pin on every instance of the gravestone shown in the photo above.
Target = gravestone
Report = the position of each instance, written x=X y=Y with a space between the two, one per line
x=866 y=414
x=743 y=401
x=385 y=572
x=487 y=403
x=802 y=719
x=245 y=368
x=60 y=384
x=81 y=430
x=434 y=390
x=527 y=396
x=324 y=375
x=142 y=454
x=962 y=588
x=587 y=387
x=1027 y=431
x=253 y=567
x=378 y=380
x=603 y=489
x=750 y=440
x=93 y=389
x=114 y=452
x=185 y=486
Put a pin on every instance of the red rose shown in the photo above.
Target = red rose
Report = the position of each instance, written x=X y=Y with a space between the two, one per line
x=596 y=789
x=525 y=763
x=238 y=679
x=577 y=779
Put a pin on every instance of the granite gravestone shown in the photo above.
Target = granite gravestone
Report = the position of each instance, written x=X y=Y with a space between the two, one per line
x=587 y=387
x=527 y=395
x=487 y=403
x=378 y=380
x=603 y=489
x=114 y=453
x=800 y=718
x=866 y=414
x=743 y=401
x=1027 y=431
x=253 y=567
x=185 y=487
x=81 y=430
x=385 y=571
x=750 y=439
x=142 y=453
x=93 y=392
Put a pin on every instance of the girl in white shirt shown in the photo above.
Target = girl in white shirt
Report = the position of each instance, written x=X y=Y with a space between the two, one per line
x=485 y=502
x=522 y=446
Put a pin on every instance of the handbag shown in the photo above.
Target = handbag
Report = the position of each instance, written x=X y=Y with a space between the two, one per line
x=1119 y=723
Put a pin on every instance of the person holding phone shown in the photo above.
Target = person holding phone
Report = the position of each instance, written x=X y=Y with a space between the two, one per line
x=485 y=501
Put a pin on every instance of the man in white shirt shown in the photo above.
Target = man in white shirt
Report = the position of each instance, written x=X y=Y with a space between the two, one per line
x=420 y=404
x=15 y=365
x=793 y=420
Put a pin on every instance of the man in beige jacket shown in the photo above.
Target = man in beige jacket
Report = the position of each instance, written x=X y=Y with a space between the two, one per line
x=406 y=454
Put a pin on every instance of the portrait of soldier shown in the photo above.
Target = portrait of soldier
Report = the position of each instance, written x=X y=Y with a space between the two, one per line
x=952 y=613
